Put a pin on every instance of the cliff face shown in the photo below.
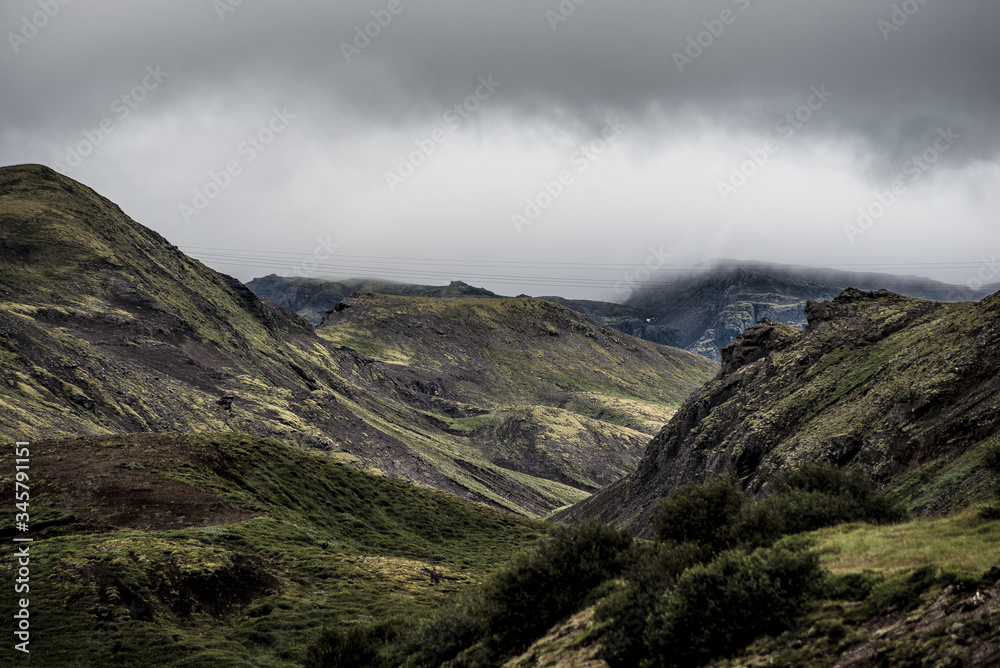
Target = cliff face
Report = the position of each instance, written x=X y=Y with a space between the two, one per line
x=893 y=385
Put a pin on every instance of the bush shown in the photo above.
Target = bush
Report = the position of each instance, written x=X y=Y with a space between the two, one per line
x=541 y=587
x=717 y=608
x=852 y=586
x=813 y=497
x=991 y=459
x=703 y=514
x=444 y=635
x=355 y=646
x=523 y=600
x=654 y=568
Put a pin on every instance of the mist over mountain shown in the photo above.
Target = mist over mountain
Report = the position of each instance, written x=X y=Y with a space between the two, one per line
x=700 y=310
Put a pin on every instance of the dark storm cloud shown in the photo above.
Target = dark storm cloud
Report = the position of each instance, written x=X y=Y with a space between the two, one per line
x=700 y=86
x=925 y=65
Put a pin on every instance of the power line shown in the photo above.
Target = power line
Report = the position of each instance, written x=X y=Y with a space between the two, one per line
x=405 y=269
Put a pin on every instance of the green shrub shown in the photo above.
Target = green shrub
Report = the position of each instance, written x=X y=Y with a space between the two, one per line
x=991 y=459
x=545 y=585
x=703 y=514
x=654 y=567
x=717 y=608
x=813 y=497
x=361 y=646
x=445 y=635
x=817 y=495
x=523 y=600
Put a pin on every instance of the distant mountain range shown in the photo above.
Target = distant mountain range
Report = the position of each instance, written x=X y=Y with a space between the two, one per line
x=700 y=311
x=311 y=298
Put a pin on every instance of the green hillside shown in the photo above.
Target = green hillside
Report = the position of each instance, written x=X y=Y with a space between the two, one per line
x=106 y=328
x=174 y=550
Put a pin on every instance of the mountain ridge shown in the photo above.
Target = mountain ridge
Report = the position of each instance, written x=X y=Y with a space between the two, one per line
x=106 y=328
x=699 y=311
x=902 y=388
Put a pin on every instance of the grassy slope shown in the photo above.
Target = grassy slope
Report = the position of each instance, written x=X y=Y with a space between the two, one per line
x=963 y=542
x=520 y=342
x=318 y=544
x=940 y=622
x=107 y=328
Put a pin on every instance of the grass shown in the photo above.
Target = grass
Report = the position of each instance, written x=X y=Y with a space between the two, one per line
x=963 y=543
x=327 y=545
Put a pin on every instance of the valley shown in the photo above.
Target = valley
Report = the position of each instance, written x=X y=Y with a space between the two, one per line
x=422 y=475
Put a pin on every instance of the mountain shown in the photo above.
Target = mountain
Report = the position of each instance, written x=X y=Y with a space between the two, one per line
x=700 y=311
x=705 y=309
x=905 y=389
x=312 y=297
x=106 y=328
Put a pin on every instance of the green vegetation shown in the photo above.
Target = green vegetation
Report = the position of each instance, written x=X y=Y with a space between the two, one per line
x=110 y=329
x=514 y=606
x=965 y=541
x=321 y=545
x=710 y=584
x=717 y=608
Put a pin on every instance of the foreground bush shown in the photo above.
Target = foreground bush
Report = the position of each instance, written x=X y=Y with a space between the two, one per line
x=717 y=608
x=655 y=568
x=703 y=514
x=704 y=591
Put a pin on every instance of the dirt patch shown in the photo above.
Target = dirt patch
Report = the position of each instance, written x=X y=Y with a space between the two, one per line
x=111 y=483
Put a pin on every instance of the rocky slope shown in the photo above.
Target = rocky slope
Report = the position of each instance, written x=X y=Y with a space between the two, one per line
x=906 y=389
x=106 y=328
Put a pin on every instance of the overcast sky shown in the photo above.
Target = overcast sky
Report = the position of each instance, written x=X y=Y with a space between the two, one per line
x=538 y=147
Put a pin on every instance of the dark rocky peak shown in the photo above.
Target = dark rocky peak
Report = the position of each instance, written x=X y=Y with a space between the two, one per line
x=756 y=343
